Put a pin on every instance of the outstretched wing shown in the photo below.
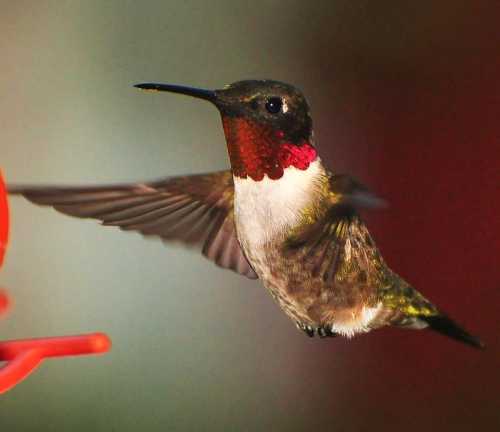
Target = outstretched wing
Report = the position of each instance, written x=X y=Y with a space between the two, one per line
x=334 y=238
x=195 y=210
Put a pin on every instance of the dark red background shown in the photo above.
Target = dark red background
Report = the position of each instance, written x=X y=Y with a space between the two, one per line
x=422 y=128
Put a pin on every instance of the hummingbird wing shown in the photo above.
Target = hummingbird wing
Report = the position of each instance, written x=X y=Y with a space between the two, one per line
x=195 y=210
x=348 y=192
x=337 y=234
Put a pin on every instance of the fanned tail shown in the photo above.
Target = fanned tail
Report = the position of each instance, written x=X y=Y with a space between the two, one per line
x=444 y=325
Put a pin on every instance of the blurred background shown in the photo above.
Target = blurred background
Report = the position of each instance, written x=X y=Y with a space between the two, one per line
x=405 y=96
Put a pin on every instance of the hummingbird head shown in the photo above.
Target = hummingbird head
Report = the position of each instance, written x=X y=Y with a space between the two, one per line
x=267 y=125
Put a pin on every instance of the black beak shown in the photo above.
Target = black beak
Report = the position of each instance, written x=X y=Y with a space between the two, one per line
x=209 y=95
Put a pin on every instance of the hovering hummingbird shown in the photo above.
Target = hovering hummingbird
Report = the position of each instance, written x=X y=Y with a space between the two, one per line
x=278 y=215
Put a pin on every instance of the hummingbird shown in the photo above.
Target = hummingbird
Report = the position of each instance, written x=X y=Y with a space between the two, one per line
x=278 y=215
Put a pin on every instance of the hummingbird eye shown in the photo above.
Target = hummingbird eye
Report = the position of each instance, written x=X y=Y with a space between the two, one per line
x=274 y=105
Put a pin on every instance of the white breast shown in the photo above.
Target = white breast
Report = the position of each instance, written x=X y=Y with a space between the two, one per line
x=266 y=208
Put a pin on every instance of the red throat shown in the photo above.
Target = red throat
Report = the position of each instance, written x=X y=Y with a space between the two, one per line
x=257 y=150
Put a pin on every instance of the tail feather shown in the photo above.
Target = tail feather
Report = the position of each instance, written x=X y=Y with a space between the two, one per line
x=444 y=325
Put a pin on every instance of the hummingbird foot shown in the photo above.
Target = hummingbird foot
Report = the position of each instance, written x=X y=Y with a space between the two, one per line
x=325 y=332
x=310 y=331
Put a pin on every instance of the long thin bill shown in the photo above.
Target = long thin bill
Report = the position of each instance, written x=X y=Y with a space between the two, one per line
x=208 y=95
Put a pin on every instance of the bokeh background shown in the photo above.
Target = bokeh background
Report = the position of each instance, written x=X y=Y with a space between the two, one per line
x=405 y=96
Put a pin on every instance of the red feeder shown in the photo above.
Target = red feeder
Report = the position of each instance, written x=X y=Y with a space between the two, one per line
x=4 y=219
x=4 y=302
x=23 y=356
x=4 y=236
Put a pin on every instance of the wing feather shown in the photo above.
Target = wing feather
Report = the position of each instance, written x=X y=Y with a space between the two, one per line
x=195 y=210
x=322 y=243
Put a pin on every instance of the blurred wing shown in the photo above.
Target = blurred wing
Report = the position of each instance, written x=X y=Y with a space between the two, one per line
x=338 y=237
x=346 y=191
x=195 y=210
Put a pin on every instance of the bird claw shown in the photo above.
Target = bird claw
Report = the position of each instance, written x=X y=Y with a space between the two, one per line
x=322 y=332
x=308 y=330
x=326 y=332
